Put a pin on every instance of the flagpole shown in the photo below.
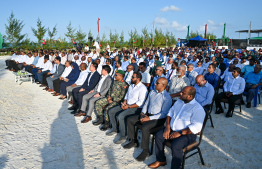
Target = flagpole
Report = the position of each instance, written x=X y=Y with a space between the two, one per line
x=249 y=33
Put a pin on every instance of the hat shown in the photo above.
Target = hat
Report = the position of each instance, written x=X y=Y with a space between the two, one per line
x=120 y=71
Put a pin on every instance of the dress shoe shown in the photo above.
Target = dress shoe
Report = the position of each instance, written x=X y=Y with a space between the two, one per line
x=81 y=113
x=75 y=111
x=50 y=90
x=12 y=70
x=6 y=68
x=248 y=105
x=131 y=144
x=229 y=114
x=62 y=98
x=46 y=88
x=157 y=164
x=98 y=121
x=120 y=140
x=219 y=111
x=105 y=126
x=56 y=94
x=71 y=102
x=111 y=132
x=144 y=154
x=86 y=119
x=72 y=108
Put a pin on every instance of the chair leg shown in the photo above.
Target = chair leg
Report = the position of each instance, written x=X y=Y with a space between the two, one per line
x=184 y=159
x=152 y=145
x=240 y=108
x=210 y=117
x=200 y=155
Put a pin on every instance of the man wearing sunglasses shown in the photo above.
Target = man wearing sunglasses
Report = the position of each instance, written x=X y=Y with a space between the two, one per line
x=159 y=73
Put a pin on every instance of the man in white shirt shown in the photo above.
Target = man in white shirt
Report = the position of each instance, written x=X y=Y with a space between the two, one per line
x=63 y=58
x=107 y=47
x=125 y=63
x=146 y=78
x=129 y=74
x=139 y=59
x=232 y=89
x=79 y=82
x=10 y=60
x=108 y=62
x=153 y=115
x=184 y=120
x=99 y=69
x=20 y=62
x=94 y=55
x=48 y=66
x=132 y=104
x=97 y=47
x=169 y=64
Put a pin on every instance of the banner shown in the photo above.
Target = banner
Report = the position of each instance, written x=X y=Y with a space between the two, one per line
x=224 y=34
x=43 y=41
x=1 y=41
x=98 y=30
x=187 y=37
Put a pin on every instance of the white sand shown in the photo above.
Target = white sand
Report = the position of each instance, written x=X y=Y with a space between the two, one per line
x=37 y=131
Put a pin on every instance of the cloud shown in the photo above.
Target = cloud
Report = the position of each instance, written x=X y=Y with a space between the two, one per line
x=211 y=26
x=170 y=8
x=164 y=23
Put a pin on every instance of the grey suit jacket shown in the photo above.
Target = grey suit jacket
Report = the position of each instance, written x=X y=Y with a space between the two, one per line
x=105 y=86
x=59 y=71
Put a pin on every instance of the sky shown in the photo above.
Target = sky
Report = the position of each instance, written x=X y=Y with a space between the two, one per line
x=171 y=15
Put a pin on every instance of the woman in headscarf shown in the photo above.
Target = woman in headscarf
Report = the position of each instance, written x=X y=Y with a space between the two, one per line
x=69 y=80
x=156 y=64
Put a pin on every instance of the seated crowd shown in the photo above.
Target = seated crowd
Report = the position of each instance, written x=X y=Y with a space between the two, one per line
x=172 y=88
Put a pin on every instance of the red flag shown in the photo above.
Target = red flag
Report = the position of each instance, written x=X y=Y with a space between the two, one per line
x=98 y=30
x=205 y=31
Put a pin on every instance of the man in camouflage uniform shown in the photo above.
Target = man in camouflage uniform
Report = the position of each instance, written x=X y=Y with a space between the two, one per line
x=115 y=95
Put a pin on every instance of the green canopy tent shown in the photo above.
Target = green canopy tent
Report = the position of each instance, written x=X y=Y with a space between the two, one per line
x=258 y=38
x=1 y=41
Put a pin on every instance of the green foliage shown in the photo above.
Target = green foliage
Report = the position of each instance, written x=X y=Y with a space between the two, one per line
x=13 y=30
x=53 y=33
x=194 y=34
x=39 y=33
x=80 y=35
x=211 y=36
x=70 y=32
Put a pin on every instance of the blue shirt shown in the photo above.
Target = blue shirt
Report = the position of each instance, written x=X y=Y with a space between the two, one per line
x=35 y=60
x=54 y=69
x=152 y=87
x=212 y=79
x=124 y=65
x=247 y=69
x=157 y=104
x=204 y=94
x=254 y=78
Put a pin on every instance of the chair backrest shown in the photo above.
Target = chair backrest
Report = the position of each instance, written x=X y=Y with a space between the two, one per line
x=202 y=130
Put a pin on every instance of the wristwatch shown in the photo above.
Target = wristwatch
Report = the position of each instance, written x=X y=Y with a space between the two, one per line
x=180 y=132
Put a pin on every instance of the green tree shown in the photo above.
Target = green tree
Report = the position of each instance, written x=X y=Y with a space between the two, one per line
x=211 y=36
x=80 y=35
x=160 y=39
x=146 y=36
x=13 y=30
x=122 y=38
x=39 y=33
x=52 y=33
x=194 y=34
x=70 y=32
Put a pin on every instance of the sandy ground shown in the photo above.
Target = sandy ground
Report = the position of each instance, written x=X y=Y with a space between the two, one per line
x=37 y=131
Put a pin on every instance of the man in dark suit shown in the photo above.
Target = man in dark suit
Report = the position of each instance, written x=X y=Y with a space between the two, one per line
x=59 y=70
x=99 y=92
x=91 y=81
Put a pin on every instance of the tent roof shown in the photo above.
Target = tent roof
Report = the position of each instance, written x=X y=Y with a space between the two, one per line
x=256 y=38
x=198 y=38
x=251 y=31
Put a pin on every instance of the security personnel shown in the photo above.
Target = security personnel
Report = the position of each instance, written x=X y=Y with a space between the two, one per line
x=115 y=96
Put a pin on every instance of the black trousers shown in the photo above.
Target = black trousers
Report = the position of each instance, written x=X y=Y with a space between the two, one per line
x=57 y=85
x=177 y=146
x=78 y=96
x=7 y=62
x=18 y=66
x=45 y=75
x=11 y=64
x=231 y=100
x=135 y=119
x=29 y=69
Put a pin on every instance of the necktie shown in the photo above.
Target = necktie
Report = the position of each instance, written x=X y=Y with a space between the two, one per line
x=126 y=76
x=187 y=74
x=170 y=74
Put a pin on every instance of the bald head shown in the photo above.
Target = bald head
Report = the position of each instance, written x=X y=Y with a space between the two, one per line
x=200 y=80
x=161 y=84
x=190 y=90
